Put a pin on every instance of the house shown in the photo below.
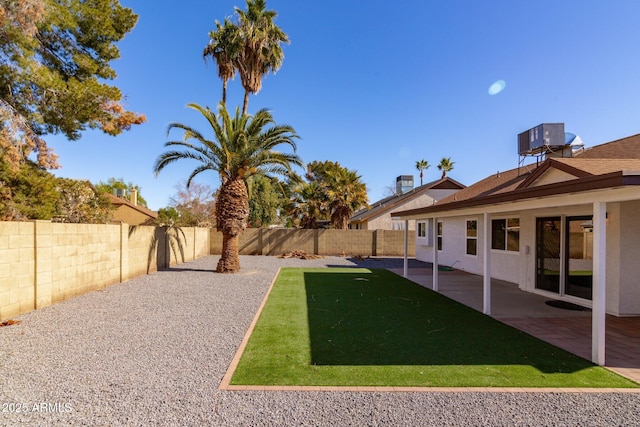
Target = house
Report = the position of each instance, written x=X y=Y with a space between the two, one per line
x=376 y=216
x=129 y=211
x=568 y=228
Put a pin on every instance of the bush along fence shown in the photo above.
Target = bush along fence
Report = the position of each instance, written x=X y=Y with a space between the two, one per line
x=42 y=263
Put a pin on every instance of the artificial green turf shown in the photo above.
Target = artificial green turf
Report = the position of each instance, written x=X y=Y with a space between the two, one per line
x=360 y=327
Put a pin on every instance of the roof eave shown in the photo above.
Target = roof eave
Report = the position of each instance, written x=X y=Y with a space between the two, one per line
x=593 y=182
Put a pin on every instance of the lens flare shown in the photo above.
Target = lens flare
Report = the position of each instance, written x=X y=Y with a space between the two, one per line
x=497 y=87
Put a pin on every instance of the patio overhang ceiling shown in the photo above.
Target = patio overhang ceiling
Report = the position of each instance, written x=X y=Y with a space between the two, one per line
x=612 y=187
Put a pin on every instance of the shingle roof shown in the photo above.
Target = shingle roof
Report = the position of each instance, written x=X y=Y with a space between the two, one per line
x=500 y=182
x=395 y=201
x=624 y=148
x=120 y=201
x=596 y=166
x=599 y=166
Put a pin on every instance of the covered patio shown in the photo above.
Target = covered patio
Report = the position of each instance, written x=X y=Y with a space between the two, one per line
x=568 y=329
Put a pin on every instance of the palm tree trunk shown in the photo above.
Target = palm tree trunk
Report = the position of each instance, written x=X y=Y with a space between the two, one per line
x=340 y=218
x=232 y=211
x=229 y=260
x=224 y=92
x=245 y=105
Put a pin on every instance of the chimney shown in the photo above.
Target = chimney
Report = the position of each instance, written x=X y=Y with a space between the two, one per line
x=134 y=196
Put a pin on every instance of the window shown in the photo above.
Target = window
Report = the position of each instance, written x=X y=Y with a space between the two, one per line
x=505 y=234
x=398 y=225
x=472 y=237
x=439 y=235
x=422 y=229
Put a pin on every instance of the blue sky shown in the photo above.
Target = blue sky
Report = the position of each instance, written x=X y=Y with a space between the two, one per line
x=377 y=85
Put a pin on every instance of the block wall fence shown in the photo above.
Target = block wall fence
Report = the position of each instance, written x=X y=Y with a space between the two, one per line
x=42 y=263
x=277 y=241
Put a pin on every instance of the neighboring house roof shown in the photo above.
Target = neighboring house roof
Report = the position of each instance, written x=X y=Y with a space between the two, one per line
x=624 y=148
x=618 y=166
x=393 y=202
x=119 y=201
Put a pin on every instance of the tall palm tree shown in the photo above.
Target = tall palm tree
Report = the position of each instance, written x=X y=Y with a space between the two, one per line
x=260 y=51
x=243 y=146
x=422 y=165
x=308 y=204
x=446 y=165
x=346 y=194
x=223 y=47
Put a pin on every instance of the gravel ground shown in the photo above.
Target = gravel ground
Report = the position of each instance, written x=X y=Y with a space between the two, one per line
x=152 y=351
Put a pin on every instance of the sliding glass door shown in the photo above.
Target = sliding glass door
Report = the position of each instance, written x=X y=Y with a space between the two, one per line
x=579 y=267
x=548 y=259
x=564 y=261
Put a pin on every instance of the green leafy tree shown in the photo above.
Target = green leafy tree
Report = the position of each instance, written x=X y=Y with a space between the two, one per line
x=80 y=203
x=446 y=165
x=266 y=198
x=242 y=146
x=28 y=192
x=55 y=60
x=31 y=192
x=422 y=165
x=168 y=217
x=119 y=183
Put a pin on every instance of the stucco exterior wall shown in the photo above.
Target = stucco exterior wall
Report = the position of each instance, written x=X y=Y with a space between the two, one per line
x=384 y=221
x=629 y=257
x=623 y=252
x=130 y=216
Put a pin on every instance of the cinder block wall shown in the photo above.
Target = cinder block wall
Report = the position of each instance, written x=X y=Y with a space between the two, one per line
x=147 y=251
x=83 y=258
x=42 y=263
x=346 y=242
x=17 y=268
x=262 y=241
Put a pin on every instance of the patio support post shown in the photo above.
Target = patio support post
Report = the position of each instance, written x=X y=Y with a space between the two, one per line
x=598 y=315
x=486 y=264
x=435 y=254
x=406 y=249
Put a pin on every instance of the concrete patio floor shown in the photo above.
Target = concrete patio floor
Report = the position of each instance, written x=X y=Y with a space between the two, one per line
x=567 y=329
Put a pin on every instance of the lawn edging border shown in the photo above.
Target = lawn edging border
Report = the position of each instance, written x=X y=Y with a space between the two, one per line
x=225 y=382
